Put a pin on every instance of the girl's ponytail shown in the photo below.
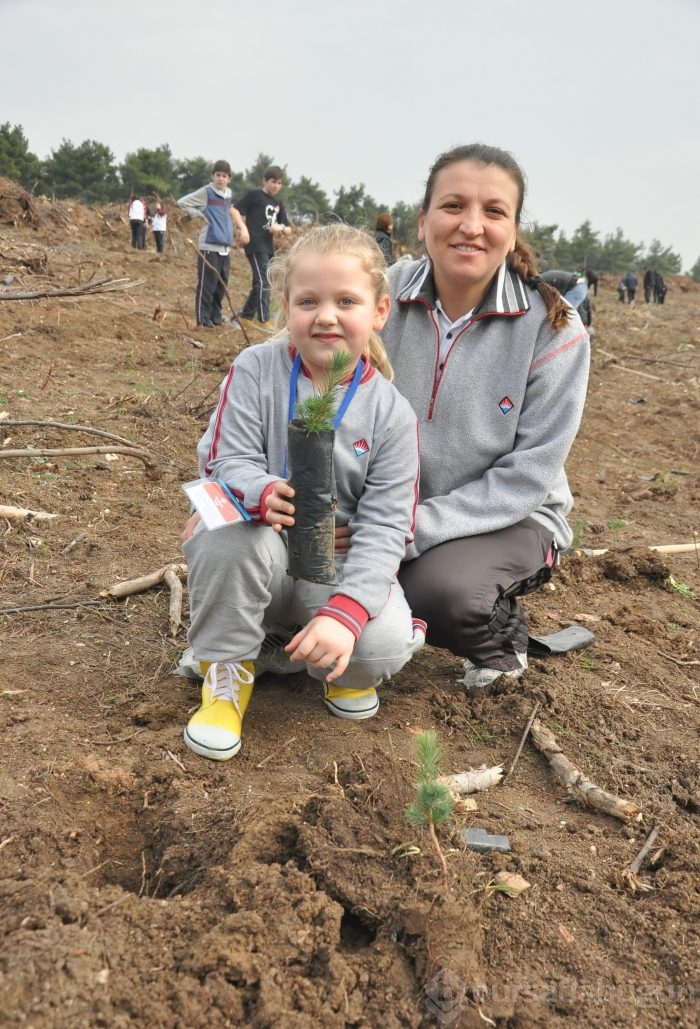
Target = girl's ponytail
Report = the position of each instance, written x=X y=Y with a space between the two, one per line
x=378 y=357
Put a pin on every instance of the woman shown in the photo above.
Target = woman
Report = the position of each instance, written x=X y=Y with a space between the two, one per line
x=382 y=235
x=159 y=224
x=495 y=365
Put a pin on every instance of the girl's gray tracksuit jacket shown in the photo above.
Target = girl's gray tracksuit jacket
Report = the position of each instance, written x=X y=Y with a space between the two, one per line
x=375 y=459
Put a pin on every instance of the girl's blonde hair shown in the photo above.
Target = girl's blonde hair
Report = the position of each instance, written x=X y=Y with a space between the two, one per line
x=339 y=239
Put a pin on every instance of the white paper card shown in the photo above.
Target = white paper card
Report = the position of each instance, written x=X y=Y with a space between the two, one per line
x=214 y=506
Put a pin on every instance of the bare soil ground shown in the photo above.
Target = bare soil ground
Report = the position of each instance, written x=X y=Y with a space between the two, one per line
x=142 y=885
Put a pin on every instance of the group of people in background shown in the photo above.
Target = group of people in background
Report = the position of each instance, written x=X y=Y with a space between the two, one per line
x=654 y=287
x=260 y=218
x=140 y=217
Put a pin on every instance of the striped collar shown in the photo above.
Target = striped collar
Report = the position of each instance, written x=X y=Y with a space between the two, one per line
x=507 y=293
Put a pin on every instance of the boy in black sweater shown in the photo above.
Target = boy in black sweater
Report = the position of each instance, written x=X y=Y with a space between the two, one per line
x=265 y=218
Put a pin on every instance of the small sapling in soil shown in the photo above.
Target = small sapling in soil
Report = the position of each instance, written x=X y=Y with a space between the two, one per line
x=433 y=803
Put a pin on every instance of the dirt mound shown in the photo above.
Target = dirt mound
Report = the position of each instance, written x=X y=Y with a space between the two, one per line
x=142 y=885
x=626 y=567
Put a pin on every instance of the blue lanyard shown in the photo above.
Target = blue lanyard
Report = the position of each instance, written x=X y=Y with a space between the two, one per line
x=349 y=394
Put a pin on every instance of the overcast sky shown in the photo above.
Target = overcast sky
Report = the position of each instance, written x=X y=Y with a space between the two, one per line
x=597 y=99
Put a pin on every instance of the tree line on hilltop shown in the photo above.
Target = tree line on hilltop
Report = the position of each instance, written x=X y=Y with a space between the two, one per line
x=88 y=172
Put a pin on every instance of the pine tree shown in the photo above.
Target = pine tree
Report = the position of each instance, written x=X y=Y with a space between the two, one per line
x=433 y=804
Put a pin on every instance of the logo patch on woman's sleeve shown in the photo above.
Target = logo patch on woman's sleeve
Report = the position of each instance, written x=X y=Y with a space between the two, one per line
x=360 y=447
x=506 y=405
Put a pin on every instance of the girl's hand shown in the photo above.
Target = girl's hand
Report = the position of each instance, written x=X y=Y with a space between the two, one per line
x=323 y=642
x=190 y=525
x=280 y=513
x=343 y=538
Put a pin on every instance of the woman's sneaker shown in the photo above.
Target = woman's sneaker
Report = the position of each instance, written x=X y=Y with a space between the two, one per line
x=481 y=682
x=352 y=704
x=273 y=657
x=214 y=730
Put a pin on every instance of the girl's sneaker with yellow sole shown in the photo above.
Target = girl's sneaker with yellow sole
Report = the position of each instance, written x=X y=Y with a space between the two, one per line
x=352 y=704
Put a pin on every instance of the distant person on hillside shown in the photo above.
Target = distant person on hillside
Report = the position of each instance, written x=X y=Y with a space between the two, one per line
x=146 y=222
x=159 y=223
x=382 y=234
x=574 y=288
x=660 y=288
x=137 y=220
x=649 y=286
x=622 y=290
x=630 y=280
x=265 y=218
x=213 y=204
x=592 y=279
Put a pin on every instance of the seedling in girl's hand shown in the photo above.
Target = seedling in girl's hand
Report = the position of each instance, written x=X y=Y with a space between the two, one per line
x=316 y=414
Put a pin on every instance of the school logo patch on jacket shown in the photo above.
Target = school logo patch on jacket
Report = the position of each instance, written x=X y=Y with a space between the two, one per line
x=361 y=447
x=506 y=405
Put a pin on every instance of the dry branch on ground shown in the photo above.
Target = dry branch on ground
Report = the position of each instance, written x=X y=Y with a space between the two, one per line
x=21 y=514
x=124 y=446
x=581 y=788
x=144 y=582
x=107 y=285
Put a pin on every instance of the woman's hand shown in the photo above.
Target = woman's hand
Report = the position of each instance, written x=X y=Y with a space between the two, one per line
x=323 y=642
x=280 y=513
x=343 y=538
x=190 y=525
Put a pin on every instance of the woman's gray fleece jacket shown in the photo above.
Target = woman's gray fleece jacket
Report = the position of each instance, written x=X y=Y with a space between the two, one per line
x=498 y=419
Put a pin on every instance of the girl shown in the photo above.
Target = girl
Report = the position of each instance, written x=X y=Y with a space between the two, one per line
x=358 y=633
x=159 y=223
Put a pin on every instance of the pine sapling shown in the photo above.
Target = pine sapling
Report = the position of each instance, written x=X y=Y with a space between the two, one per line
x=433 y=804
x=316 y=414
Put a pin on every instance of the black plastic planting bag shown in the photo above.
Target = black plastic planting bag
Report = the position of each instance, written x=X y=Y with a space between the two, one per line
x=311 y=539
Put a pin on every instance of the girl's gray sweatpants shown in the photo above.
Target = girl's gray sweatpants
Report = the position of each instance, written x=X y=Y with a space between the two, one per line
x=239 y=589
